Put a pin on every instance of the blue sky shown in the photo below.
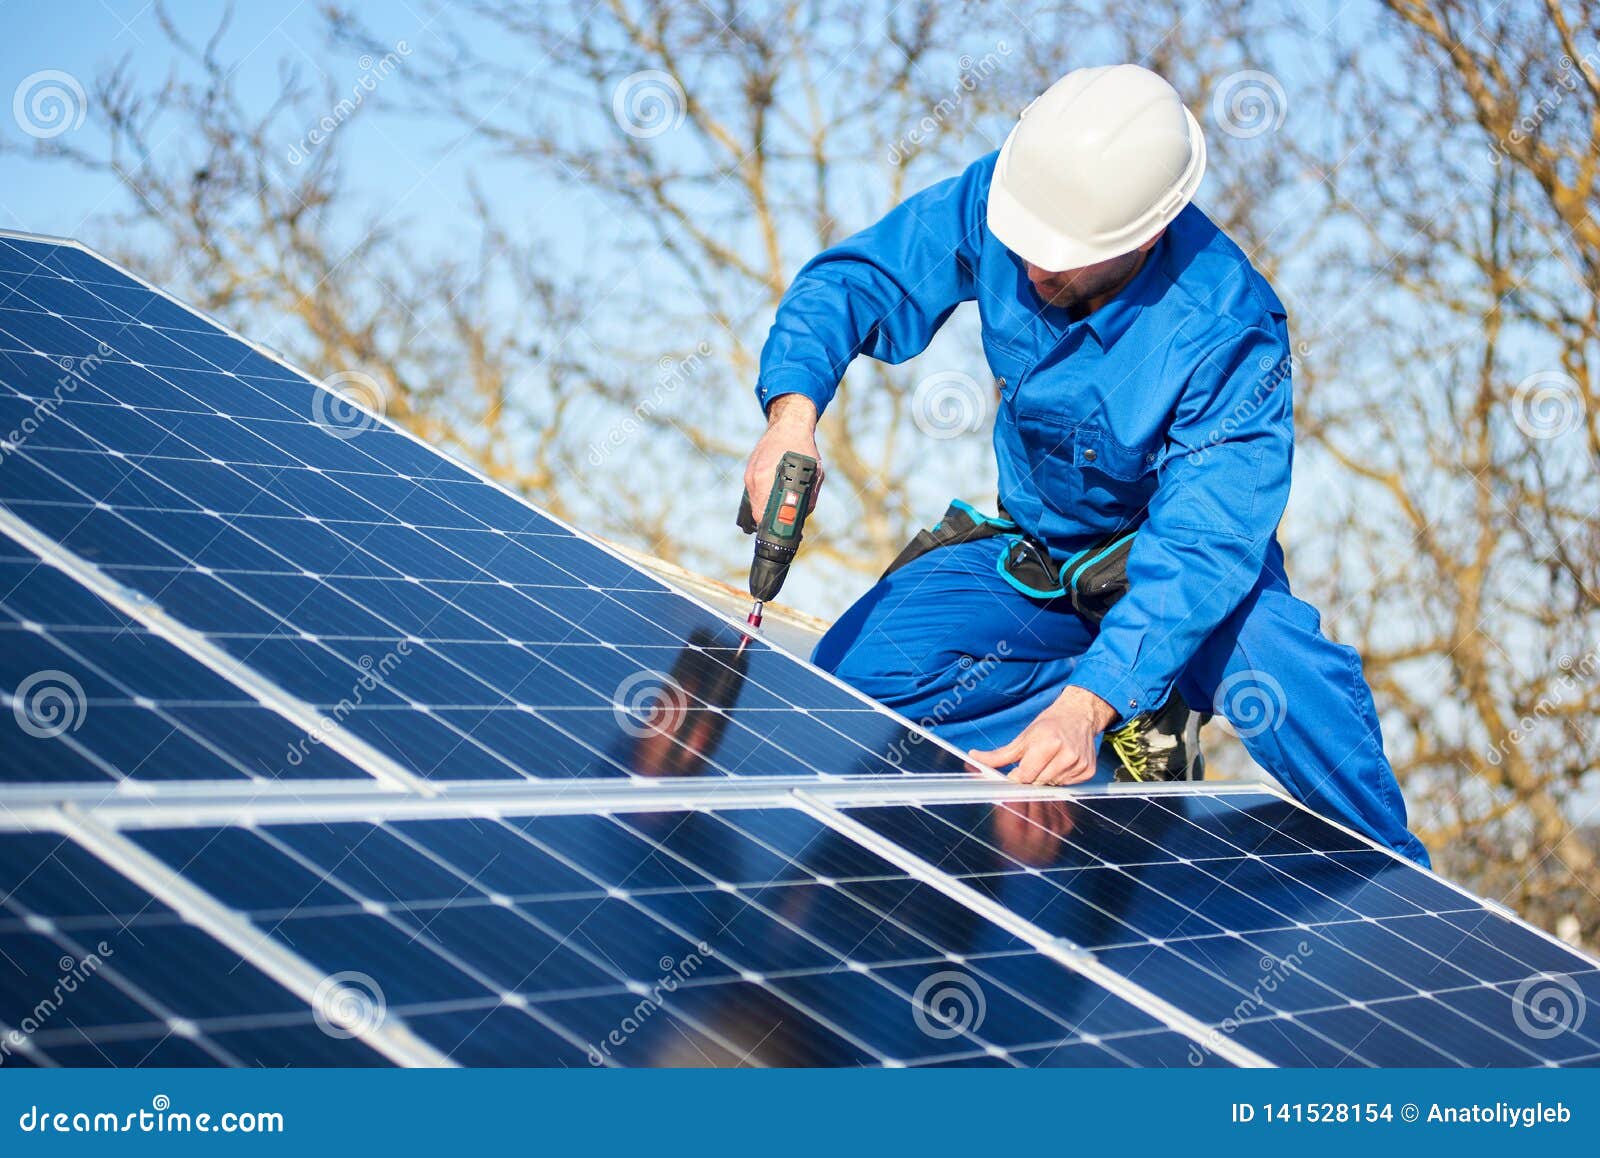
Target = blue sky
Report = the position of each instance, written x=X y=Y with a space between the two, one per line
x=420 y=177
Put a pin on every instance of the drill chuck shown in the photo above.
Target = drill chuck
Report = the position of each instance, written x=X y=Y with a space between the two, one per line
x=768 y=570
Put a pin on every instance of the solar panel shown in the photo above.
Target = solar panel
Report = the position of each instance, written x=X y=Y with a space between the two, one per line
x=454 y=631
x=95 y=697
x=748 y=936
x=347 y=756
x=95 y=971
x=1279 y=931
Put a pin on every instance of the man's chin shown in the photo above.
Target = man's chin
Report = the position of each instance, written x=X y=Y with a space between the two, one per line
x=1062 y=301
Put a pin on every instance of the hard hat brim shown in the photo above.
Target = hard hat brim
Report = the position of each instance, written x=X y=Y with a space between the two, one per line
x=1048 y=247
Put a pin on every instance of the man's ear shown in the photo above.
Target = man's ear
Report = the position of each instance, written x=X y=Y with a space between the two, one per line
x=1151 y=244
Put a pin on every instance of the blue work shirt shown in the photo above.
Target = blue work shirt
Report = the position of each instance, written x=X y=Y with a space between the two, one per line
x=1168 y=408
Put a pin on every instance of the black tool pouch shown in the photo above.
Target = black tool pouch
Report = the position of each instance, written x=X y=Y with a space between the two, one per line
x=962 y=523
x=1101 y=577
x=1095 y=578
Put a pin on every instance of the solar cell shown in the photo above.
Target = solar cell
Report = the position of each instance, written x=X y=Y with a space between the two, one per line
x=362 y=572
x=1281 y=932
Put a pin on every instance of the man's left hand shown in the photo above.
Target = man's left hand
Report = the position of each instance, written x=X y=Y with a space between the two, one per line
x=1059 y=747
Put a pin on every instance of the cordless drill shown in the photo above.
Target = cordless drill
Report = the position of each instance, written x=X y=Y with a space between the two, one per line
x=778 y=532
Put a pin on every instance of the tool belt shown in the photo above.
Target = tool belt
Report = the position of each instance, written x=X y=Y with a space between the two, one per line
x=1163 y=744
x=1094 y=578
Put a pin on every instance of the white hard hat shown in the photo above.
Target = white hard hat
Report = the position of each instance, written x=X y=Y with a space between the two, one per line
x=1096 y=166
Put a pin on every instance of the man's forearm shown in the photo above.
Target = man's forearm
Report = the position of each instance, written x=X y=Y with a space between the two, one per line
x=1076 y=699
x=792 y=410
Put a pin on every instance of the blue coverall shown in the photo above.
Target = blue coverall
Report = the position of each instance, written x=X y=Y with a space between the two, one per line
x=1168 y=408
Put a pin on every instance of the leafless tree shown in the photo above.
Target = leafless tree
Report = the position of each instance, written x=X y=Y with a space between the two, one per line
x=1462 y=429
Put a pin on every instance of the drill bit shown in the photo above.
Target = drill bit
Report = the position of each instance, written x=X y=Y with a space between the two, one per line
x=754 y=620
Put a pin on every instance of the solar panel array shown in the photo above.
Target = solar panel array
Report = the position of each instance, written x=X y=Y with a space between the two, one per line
x=328 y=751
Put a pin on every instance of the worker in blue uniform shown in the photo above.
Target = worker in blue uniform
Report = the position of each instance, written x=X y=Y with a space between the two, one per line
x=1142 y=370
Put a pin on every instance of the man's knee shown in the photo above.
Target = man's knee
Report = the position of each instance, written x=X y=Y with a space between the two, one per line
x=873 y=665
x=914 y=626
x=852 y=651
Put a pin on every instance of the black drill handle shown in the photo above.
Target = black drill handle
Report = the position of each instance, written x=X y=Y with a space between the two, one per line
x=747 y=517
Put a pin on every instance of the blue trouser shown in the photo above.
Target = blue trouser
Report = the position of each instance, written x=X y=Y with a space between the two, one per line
x=947 y=642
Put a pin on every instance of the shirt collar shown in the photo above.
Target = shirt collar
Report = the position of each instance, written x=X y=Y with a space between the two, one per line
x=1112 y=320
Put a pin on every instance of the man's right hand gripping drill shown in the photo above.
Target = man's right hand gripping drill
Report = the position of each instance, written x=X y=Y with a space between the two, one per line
x=791 y=425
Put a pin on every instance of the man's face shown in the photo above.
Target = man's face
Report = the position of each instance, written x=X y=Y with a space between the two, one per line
x=1076 y=288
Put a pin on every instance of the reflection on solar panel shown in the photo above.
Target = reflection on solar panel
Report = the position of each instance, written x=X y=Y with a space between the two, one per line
x=328 y=751
x=764 y=936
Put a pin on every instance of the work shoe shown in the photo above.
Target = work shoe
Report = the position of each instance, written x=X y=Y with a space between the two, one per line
x=1160 y=745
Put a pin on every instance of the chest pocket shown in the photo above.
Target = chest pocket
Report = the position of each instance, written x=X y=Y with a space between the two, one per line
x=1005 y=363
x=1084 y=473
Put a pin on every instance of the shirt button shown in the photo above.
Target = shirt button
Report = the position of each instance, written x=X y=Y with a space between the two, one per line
x=1133 y=703
x=1089 y=456
x=1000 y=382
